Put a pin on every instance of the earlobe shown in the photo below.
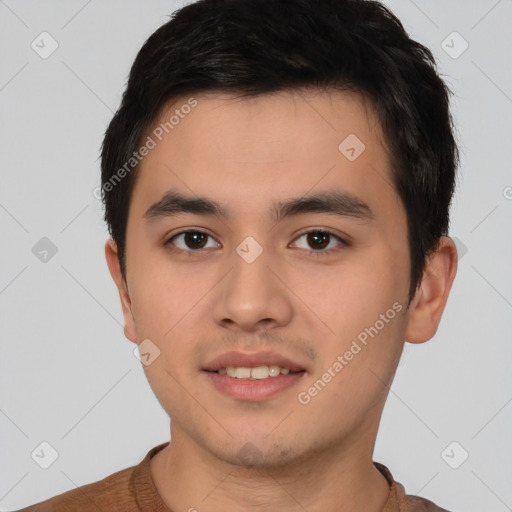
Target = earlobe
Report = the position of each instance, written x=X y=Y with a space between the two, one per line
x=114 y=267
x=432 y=293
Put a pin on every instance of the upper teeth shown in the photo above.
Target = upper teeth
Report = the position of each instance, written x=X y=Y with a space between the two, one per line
x=259 y=372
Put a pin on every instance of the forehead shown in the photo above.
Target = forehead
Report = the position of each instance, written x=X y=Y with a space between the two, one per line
x=245 y=150
x=263 y=127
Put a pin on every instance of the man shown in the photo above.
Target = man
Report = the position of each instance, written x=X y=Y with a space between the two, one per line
x=277 y=184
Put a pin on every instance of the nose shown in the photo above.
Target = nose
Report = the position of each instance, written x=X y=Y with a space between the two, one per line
x=251 y=298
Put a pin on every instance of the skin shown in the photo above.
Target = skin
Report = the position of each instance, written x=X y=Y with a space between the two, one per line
x=293 y=299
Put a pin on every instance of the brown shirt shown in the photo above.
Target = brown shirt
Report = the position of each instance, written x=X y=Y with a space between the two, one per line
x=133 y=490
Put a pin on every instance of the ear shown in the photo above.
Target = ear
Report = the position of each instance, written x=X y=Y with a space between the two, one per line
x=432 y=293
x=115 y=271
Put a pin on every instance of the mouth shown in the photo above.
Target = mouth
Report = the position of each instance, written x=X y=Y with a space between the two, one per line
x=253 y=377
x=262 y=364
x=255 y=373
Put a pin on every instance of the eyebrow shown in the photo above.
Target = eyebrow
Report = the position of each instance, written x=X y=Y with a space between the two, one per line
x=331 y=202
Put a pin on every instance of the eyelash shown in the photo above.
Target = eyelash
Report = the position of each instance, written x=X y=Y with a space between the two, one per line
x=315 y=253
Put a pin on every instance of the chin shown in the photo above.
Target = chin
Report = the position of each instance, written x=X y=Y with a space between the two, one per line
x=258 y=452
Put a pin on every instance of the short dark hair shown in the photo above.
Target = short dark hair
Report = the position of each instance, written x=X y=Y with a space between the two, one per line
x=254 y=47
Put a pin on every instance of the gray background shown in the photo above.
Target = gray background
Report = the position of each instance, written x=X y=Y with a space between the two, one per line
x=69 y=377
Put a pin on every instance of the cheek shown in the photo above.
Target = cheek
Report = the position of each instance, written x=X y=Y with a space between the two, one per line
x=158 y=301
x=170 y=310
x=349 y=296
x=161 y=292
x=363 y=305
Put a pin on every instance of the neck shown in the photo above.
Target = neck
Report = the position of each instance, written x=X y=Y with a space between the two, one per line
x=339 y=479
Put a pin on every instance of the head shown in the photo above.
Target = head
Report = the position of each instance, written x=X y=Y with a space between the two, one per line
x=261 y=118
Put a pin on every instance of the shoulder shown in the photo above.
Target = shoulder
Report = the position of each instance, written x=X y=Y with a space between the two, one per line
x=400 y=501
x=418 y=504
x=113 y=493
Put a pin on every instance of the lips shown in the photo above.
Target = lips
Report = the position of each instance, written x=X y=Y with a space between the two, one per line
x=252 y=360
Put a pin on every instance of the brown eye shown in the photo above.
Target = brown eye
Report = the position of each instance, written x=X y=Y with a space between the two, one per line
x=190 y=240
x=317 y=241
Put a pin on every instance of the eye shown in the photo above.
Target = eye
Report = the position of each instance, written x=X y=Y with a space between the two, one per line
x=316 y=241
x=189 y=241
x=321 y=240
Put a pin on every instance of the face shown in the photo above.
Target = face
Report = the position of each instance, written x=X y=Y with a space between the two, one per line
x=295 y=258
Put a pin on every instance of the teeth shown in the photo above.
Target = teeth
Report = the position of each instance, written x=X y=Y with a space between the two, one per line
x=242 y=373
x=259 y=372
x=274 y=371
